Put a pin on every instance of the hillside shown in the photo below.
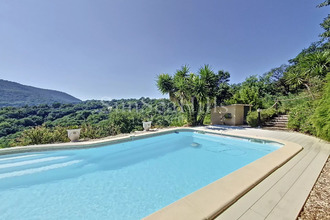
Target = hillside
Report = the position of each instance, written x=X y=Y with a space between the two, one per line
x=15 y=94
x=96 y=118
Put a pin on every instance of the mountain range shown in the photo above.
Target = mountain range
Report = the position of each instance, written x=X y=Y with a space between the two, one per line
x=15 y=94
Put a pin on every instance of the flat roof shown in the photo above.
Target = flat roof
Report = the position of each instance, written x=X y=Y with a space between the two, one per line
x=234 y=105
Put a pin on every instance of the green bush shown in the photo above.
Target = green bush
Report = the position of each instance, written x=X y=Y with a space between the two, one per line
x=179 y=121
x=126 y=121
x=321 y=117
x=14 y=120
x=265 y=115
x=98 y=131
x=300 y=118
x=118 y=121
x=160 y=121
x=207 y=119
x=9 y=140
x=44 y=135
x=292 y=100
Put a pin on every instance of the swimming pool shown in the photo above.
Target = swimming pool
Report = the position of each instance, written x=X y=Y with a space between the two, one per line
x=128 y=180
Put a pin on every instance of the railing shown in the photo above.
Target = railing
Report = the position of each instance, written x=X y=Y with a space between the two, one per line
x=277 y=101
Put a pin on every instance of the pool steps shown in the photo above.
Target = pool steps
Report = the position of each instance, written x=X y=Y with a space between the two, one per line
x=28 y=162
x=37 y=170
x=32 y=164
x=18 y=157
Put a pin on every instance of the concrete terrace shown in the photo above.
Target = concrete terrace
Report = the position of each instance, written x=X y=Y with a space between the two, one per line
x=283 y=193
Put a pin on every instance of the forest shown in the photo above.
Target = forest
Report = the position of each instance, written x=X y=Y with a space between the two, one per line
x=48 y=123
x=300 y=88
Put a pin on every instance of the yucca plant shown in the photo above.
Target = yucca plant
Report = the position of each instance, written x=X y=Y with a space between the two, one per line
x=192 y=93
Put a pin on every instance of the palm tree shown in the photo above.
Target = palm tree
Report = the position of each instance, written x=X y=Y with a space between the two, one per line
x=309 y=66
x=191 y=92
x=315 y=64
x=296 y=79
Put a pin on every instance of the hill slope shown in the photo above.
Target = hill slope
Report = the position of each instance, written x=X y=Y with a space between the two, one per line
x=15 y=94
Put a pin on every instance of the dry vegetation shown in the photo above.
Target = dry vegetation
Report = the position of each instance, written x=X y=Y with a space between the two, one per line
x=318 y=203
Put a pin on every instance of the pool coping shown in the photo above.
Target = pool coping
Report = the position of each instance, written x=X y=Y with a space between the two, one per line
x=85 y=144
x=209 y=201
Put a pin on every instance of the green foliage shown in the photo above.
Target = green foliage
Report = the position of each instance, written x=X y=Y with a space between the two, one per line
x=44 y=135
x=179 y=122
x=257 y=91
x=312 y=64
x=223 y=91
x=15 y=94
x=325 y=3
x=96 y=118
x=300 y=118
x=326 y=26
x=10 y=140
x=165 y=83
x=265 y=115
x=307 y=69
x=291 y=100
x=193 y=93
x=126 y=121
x=100 y=130
x=160 y=121
x=321 y=117
x=247 y=95
x=207 y=119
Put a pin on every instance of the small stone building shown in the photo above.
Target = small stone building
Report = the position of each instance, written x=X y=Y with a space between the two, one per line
x=230 y=114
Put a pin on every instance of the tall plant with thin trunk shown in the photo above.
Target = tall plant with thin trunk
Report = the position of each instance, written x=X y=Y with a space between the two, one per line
x=308 y=66
x=192 y=92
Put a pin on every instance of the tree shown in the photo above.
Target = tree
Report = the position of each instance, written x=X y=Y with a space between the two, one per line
x=276 y=78
x=325 y=3
x=125 y=121
x=192 y=93
x=247 y=95
x=315 y=64
x=308 y=67
x=326 y=26
x=223 y=91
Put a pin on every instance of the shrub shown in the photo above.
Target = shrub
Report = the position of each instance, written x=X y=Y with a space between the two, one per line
x=300 y=118
x=160 y=121
x=179 y=121
x=292 y=100
x=126 y=121
x=207 y=119
x=321 y=117
x=10 y=140
x=265 y=115
x=44 y=135
x=98 y=131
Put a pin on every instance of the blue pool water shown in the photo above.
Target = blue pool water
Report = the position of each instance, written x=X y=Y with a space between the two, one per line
x=128 y=180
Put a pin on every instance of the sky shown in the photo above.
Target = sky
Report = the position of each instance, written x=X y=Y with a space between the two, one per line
x=112 y=49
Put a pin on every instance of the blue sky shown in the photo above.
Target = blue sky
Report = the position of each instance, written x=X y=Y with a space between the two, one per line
x=104 y=49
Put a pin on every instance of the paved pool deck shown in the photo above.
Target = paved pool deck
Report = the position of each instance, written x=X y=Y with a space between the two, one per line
x=284 y=192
